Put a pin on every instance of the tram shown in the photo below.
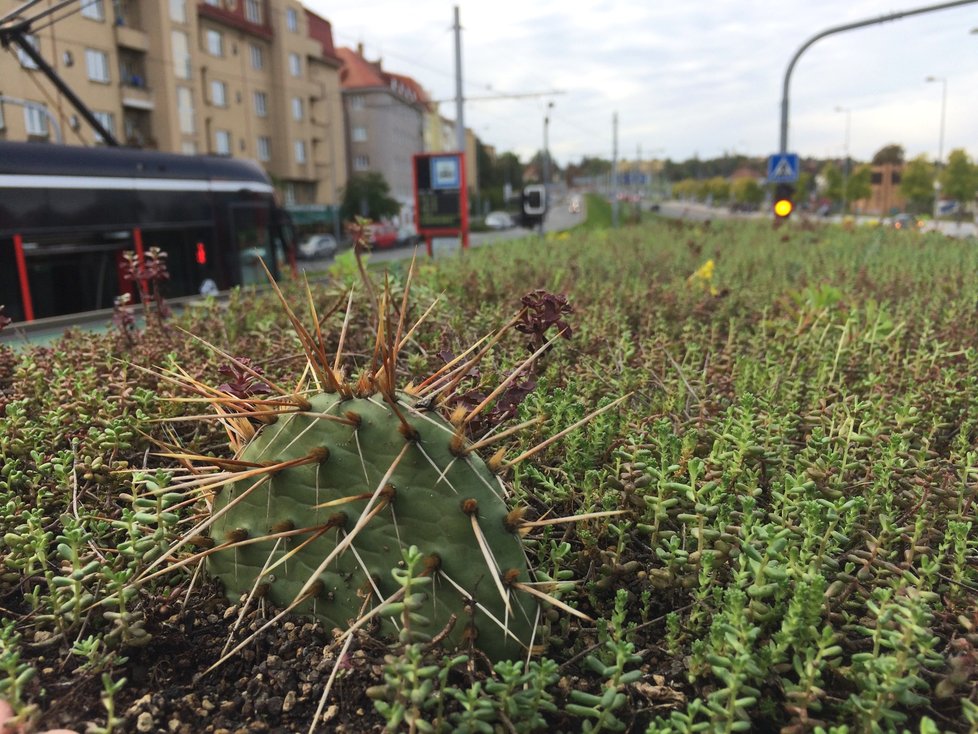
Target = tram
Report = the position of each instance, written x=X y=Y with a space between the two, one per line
x=67 y=215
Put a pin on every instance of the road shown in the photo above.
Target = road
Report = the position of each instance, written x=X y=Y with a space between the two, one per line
x=559 y=218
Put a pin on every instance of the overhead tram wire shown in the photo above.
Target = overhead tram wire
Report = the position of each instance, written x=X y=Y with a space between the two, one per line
x=29 y=22
x=18 y=11
x=82 y=4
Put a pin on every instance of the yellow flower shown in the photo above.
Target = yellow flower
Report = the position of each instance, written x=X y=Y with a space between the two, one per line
x=704 y=273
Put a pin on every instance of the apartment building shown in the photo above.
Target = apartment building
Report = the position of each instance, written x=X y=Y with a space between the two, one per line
x=247 y=78
x=385 y=117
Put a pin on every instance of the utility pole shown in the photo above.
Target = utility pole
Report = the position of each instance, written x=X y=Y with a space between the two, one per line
x=614 y=170
x=545 y=166
x=459 y=99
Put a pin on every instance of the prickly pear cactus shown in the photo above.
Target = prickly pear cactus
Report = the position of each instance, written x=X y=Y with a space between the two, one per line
x=391 y=475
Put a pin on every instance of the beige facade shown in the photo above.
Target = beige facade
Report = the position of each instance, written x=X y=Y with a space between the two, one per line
x=246 y=78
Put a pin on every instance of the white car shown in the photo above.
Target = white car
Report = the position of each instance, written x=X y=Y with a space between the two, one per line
x=317 y=245
x=498 y=220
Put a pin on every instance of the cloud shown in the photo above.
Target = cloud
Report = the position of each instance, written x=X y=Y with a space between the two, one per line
x=701 y=76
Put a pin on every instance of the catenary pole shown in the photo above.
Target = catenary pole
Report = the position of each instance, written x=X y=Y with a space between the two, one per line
x=614 y=170
x=459 y=99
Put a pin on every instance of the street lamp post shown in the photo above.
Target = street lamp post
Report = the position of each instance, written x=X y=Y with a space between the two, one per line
x=546 y=164
x=940 y=143
x=845 y=165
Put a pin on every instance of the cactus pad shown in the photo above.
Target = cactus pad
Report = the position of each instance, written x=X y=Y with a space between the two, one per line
x=421 y=490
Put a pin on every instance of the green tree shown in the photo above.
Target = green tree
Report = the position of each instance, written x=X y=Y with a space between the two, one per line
x=687 y=188
x=891 y=153
x=917 y=184
x=746 y=191
x=833 y=183
x=859 y=185
x=716 y=189
x=368 y=195
x=959 y=179
x=804 y=187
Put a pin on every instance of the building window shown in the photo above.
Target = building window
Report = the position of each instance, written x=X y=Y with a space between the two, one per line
x=185 y=109
x=105 y=120
x=180 y=43
x=253 y=11
x=297 y=108
x=93 y=10
x=213 y=3
x=357 y=102
x=295 y=65
x=188 y=147
x=361 y=163
x=36 y=120
x=300 y=151
x=97 y=63
x=3 y=124
x=359 y=134
x=261 y=104
x=215 y=43
x=292 y=20
x=257 y=57
x=222 y=142
x=219 y=94
x=26 y=61
x=178 y=11
x=264 y=148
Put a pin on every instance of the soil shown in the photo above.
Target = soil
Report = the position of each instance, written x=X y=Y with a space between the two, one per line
x=273 y=685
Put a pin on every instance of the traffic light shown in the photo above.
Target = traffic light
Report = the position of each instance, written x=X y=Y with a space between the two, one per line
x=784 y=201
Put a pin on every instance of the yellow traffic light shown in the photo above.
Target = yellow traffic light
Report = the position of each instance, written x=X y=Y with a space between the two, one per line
x=783 y=207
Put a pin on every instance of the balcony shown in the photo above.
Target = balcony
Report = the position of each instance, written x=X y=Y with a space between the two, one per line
x=128 y=37
x=136 y=95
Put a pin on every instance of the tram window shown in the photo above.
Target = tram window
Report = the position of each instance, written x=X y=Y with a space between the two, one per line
x=251 y=240
x=187 y=273
x=71 y=279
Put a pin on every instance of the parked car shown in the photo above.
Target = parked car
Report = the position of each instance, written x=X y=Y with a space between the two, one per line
x=499 y=220
x=317 y=245
x=383 y=235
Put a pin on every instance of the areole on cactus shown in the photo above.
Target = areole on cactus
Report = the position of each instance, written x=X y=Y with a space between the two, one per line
x=332 y=481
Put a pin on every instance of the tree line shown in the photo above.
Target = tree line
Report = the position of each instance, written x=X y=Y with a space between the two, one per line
x=836 y=183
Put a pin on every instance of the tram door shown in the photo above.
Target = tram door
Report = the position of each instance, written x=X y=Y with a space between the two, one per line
x=251 y=240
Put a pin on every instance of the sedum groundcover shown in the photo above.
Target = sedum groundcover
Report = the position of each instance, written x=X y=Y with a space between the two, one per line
x=795 y=457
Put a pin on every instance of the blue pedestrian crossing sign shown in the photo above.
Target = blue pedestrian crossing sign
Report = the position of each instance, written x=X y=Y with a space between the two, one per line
x=782 y=168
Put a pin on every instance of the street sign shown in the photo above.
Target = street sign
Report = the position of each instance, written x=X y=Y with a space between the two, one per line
x=782 y=168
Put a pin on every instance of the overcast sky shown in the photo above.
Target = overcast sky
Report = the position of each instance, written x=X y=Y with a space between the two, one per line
x=686 y=77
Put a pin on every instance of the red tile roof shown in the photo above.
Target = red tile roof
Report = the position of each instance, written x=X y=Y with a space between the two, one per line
x=358 y=73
